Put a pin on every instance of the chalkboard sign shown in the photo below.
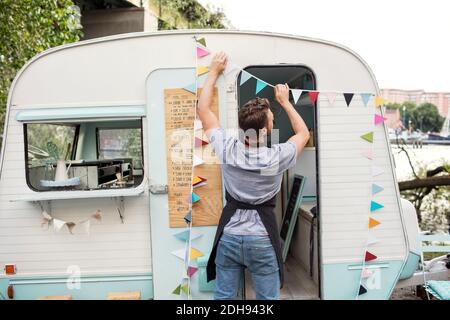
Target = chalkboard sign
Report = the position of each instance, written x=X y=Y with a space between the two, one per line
x=290 y=216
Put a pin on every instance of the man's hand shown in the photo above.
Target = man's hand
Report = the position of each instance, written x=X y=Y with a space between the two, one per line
x=218 y=63
x=282 y=94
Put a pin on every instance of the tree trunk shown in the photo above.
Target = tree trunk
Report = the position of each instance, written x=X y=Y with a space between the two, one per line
x=425 y=183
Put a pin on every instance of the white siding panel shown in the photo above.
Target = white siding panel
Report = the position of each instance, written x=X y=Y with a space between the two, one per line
x=346 y=182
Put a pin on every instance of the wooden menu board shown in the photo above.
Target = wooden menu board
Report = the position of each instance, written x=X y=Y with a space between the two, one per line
x=179 y=106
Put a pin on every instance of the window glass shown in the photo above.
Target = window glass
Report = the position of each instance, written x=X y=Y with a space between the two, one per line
x=84 y=156
x=297 y=77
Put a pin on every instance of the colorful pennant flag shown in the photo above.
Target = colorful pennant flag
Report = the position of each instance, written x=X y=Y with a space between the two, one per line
x=195 y=254
x=202 y=52
x=191 y=88
x=379 y=101
x=201 y=184
x=197 y=180
x=313 y=96
x=197 y=161
x=244 y=77
x=365 y=98
x=376 y=171
x=379 y=119
x=177 y=290
x=202 y=70
x=373 y=223
x=202 y=41
x=195 y=198
x=191 y=271
x=260 y=85
x=331 y=96
x=184 y=235
x=376 y=188
x=369 y=256
x=362 y=290
x=375 y=206
x=368 y=154
x=185 y=289
x=368 y=136
x=188 y=217
x=199 y=142
x=181 y=254
x=348 y=98
x=296 y=93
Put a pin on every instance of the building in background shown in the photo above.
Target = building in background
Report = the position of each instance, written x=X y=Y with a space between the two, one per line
x=101 y=18
x=439 y=99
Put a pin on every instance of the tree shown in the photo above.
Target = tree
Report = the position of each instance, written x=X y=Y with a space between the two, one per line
x=424 y=117
x=28 y=27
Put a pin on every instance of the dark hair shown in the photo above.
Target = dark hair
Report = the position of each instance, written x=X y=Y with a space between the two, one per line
x=253 y=115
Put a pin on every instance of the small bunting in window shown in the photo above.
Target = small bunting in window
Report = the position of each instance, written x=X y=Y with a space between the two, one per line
x=373 y=223
x=201 y=52
x=348 y=98
x=188 y=217
x=202 y=41
x=376 y=188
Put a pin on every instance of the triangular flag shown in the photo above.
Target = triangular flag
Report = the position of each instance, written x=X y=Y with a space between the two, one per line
x=366 y=273
x=375 y=206
x=379 y=119
x=179 y=253
x=368 y=136
x=372 y=240
x=369 y=256
x=244 y=77
x=373 y=223
x=331 y=96
x=188 y=217
x=195 y=198
x=202 y=70
x=197 y=180
x=348 y=98
x=379 y=101
x=184 y=288
x=177 y=290
x=197 y=124
x=184 y=235
x=199 y=142
x=376 y=171
x=260 y=85
x=191 y=88
x=368 y=154
x=202 y=41
x=376 y=188
x=191 y=271
x=201 y=52
x=46 y=216
x=296 y=93
x=201 y=184
x=198 y=161
x=362 y=290
x=195 y=254
x=365 y=98
x=313 y=96
x=58 y=224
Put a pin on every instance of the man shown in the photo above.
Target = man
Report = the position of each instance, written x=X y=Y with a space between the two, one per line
x=247 y=235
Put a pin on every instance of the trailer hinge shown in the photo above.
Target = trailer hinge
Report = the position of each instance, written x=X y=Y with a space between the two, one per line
x=159 y=188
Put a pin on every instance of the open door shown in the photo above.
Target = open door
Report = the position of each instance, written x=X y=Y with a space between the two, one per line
x=301 y=264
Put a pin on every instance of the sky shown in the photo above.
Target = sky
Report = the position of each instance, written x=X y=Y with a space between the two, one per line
x=405 y=42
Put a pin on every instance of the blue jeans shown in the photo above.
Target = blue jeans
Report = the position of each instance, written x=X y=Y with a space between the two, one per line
x=234 y=253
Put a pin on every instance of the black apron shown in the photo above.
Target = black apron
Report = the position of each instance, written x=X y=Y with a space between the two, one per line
x=267 y=215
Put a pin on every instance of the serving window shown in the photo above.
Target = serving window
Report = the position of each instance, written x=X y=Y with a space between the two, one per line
x=84 y=156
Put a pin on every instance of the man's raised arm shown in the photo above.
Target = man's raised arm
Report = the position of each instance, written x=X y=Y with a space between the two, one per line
x=207 y=117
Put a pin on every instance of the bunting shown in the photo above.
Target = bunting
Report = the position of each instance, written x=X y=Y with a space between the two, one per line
x=260 y=85
x=201 y=52
x=296 y=93
x=348 y=98
x=365 y=97
x=58 y=224
x=368 y=136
